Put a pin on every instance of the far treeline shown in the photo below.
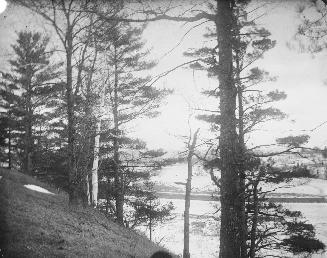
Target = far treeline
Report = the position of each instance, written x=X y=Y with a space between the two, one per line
x=67 y=110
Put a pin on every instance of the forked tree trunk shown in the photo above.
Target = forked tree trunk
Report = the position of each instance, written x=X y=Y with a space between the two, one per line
x=188 y=187
x=228 y=141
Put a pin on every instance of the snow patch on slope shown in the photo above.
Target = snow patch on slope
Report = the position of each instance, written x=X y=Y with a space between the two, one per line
x=38 y=189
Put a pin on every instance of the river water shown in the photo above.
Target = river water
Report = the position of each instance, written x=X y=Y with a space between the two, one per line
x=204 y=229
x=204 y=237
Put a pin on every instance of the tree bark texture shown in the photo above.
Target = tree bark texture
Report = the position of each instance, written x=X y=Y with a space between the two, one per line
x=228 y=141
x=243 y=216
x=242 y=149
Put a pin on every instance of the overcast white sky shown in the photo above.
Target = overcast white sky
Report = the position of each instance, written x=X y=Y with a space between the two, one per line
x=300 y=75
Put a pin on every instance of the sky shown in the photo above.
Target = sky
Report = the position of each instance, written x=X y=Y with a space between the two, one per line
x=3 y=5
x=300 y=75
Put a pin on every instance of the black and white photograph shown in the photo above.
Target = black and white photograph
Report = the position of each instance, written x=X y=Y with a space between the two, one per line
x=163 y=128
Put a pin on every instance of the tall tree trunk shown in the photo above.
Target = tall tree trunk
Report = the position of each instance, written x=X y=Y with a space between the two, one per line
x=9 y=148
x=243 y=217
x=95 y=165
x=88 y=133
x=119 y=195
x=88 y=191
x=242 y=147
x=228 y=140
x=28 y=128
x=188 y=187
x=75 y=197
x=150 y=221
x=253 y=234
x=108 y=191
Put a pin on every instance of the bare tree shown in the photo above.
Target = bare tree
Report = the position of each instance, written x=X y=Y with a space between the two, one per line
x=188 y=188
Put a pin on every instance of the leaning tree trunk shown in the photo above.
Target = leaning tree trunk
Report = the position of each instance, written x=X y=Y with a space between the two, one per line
x=228 y=140
x=186 y=251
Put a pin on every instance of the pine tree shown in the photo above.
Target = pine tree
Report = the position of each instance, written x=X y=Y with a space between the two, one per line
x=130 y=97
x=71 y=21
x=141 y=203
x=7 y=144
x=28 y=88
x=273 y=228
x=147 y=210
x=249 y=43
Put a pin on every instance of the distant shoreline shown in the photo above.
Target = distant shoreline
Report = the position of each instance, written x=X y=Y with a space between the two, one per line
x=207 y=197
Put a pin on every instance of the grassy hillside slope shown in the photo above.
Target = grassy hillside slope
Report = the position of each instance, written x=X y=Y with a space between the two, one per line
x=36 y=224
